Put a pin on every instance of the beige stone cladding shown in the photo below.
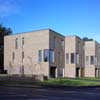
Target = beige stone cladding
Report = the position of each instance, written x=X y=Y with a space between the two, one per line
x=92 y=59
x=23 y=59
x=74 y=59
x=35 y=53
x=57 y=44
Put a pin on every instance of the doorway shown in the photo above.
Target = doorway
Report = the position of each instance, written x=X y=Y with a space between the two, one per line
x=52 y=72
x=77 y=72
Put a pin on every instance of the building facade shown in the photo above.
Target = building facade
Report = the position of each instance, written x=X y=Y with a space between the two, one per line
x=48 y=53
x=74 y=57
x=92 y=59
x=35 y=53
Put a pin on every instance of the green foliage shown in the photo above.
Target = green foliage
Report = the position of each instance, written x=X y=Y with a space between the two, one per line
x=87 y=39
x=3 y=32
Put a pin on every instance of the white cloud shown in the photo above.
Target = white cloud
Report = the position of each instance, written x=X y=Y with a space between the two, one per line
x=9 y=7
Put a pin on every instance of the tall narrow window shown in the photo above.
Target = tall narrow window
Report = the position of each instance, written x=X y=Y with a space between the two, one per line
x=54 y=44
x=87 y=60
x=62 y=43
x=13 y=56
x=95 y=61
x=67 y=58
x=52 y=58
x=40 y=56
x=77 y=58
x=72 y=58
x=22 y=41
x=16 y=43
x=92 y=60
x=46 y=55
x=22 y=56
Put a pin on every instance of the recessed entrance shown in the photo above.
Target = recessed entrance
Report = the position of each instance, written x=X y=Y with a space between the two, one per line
x=52 y=72
x=77 y=72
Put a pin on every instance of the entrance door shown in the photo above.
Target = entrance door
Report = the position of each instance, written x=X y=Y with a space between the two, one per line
x=52 y=72
x=77 y=72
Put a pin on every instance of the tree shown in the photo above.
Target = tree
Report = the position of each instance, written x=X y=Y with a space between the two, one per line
x=87 y=39
x=3 y=32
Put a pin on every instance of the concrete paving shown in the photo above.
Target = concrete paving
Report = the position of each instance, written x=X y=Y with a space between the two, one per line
x=47 y=93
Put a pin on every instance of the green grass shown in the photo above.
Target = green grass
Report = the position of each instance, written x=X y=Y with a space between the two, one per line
x=72 y=82
x=54 y=82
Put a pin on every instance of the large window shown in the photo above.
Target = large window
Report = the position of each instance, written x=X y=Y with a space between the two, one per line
x=72 y=58
x=67 y=58
x=40 y=56
x=51 y=53
x=87 y=60
x=16 y=43
x=46 y=55
x=91 y=60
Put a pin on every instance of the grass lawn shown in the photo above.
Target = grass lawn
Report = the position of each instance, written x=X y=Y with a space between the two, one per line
x=54 y=82
x=73 y=82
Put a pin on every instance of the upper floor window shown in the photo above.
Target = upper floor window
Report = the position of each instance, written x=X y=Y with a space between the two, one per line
x=91 y=60
x=62 y=43
x=51 y=57
x=67 y=58
x=72 y=58
x=16 y=43
x=54 y=42
x=40 y=56
x=22 y=56
x=22 y=41
x=96 y=61
x=77 y=58
x=87 y=60
x=13 y=56
x=46 y=55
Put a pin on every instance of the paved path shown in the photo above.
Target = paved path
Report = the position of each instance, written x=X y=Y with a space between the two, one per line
x=22 y=93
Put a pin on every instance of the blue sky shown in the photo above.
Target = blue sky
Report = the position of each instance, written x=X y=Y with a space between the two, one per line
x=69 y=17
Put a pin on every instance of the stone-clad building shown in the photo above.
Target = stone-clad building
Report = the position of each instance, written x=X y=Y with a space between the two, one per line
x=35 y=53
x=92 y=59
x=46 y=52
x=74 y=57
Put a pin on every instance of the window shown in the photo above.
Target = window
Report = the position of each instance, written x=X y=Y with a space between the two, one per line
x=13 y=56
x=40 y=56
x=72 y=58
x=87 y=60
x=92 y=60
x=67 y=58
x=52 y=58
x=46 y=55
x=16 y=43
x=62 y=43
x=77 y=58
x=96 y=63
x=22 y=41
x=22 y=56
x=54 y=42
